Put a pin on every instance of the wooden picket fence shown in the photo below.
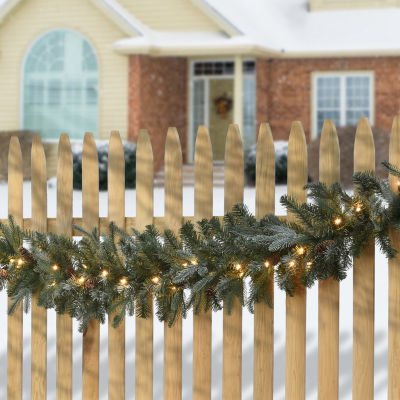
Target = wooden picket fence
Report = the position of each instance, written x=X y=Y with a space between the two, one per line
x=328 y=318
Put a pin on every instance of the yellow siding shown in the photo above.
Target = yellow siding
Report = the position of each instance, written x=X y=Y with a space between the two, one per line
x=316 y=5
x=170 y=15
x=31 y=19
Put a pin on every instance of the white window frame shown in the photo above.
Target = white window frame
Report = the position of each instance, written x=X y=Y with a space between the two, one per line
x=342 y=75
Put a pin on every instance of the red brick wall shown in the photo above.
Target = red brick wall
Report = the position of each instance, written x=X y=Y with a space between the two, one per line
x=284 y=89
x=158 y=100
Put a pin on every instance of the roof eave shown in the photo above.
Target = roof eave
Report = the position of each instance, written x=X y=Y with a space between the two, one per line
x=191 y=50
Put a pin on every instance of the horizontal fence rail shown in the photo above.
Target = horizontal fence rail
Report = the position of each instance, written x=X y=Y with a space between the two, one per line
x=328 y=295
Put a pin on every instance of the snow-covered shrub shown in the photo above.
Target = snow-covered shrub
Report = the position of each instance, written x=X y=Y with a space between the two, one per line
x=102 y=151
x=281 y=149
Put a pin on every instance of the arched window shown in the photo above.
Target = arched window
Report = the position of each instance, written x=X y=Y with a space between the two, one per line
x=60 y=86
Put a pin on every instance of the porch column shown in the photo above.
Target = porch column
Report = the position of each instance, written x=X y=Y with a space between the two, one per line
x=238 y=93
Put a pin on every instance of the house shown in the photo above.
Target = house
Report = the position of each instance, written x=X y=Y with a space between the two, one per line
x=98 y=65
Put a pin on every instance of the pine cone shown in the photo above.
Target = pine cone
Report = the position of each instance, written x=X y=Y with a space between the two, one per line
x=210 y=292
x=70 y=271
x=3 y=273
x=321 y=247
x=274 y=258
x=26 y=255
x=91 y=283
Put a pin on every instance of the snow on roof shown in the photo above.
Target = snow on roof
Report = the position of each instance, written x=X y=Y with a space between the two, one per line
x=288 y=26
x=284 y=28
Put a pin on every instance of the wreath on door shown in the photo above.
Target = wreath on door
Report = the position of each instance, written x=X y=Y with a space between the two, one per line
x=223 y=104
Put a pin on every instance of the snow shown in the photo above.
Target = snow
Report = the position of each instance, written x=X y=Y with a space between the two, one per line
x=346 y=300
x=283 y=28
x=290 y=27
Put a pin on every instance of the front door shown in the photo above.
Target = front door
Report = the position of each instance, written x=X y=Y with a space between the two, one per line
x=212 y=92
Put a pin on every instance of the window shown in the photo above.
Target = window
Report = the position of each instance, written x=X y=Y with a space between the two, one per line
x=342 y=97
x=60 y=86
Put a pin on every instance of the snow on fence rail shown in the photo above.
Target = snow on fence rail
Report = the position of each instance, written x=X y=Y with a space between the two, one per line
x=328 y=317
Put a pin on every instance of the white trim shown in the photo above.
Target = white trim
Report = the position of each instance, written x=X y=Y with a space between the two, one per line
x=224 y=23
x=128 y=23
x=7 y=7
x=341 y=75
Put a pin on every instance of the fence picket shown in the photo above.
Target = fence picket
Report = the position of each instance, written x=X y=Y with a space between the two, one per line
x=364 y=284
x=328 y=293
x=173 y=218
x=328 y=290
x=116 y=213
x=394 y=279
x=14 y=343
x=39 y=314
x=263 y=314
x=90 y=220
x=64 y=227
x=296 y=306
x=202 y=322
x=232 y=324
x=144 y=216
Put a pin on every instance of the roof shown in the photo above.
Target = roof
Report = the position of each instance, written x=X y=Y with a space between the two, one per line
x=283 y=28
x=265 y=28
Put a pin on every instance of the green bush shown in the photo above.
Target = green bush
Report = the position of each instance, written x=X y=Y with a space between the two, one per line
x=280 y=164
x=102 y=151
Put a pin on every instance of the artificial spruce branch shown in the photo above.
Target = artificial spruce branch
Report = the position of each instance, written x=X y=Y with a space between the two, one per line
x=207 y=264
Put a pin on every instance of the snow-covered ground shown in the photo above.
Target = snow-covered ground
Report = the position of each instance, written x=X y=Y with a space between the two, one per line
x=346 y=318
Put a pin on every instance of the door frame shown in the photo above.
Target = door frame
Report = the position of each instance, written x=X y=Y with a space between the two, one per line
x=191 y=78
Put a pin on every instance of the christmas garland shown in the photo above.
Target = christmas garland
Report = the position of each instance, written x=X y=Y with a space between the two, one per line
x=208 y=264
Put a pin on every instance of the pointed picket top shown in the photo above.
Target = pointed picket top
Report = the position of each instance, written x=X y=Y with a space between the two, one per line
x=38 y=314
x=90 y=183
x=173 y=145
x=297 y=162
x=203 y=174
x=144 y=181
x=202 y=322
x=15 y=322
x=116 y=180
x=234 y=168
x=364 y=148
x=173 y=179
x=90 y=220
x=329 y=154
x=39 y=185
x=264 y=315
x=15 y=179
x=265 y=172
x=394 y=151
x=328 y=290
x=64 y=186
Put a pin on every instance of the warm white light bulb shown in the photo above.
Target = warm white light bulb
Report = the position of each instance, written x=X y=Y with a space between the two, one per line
x=338 y=221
